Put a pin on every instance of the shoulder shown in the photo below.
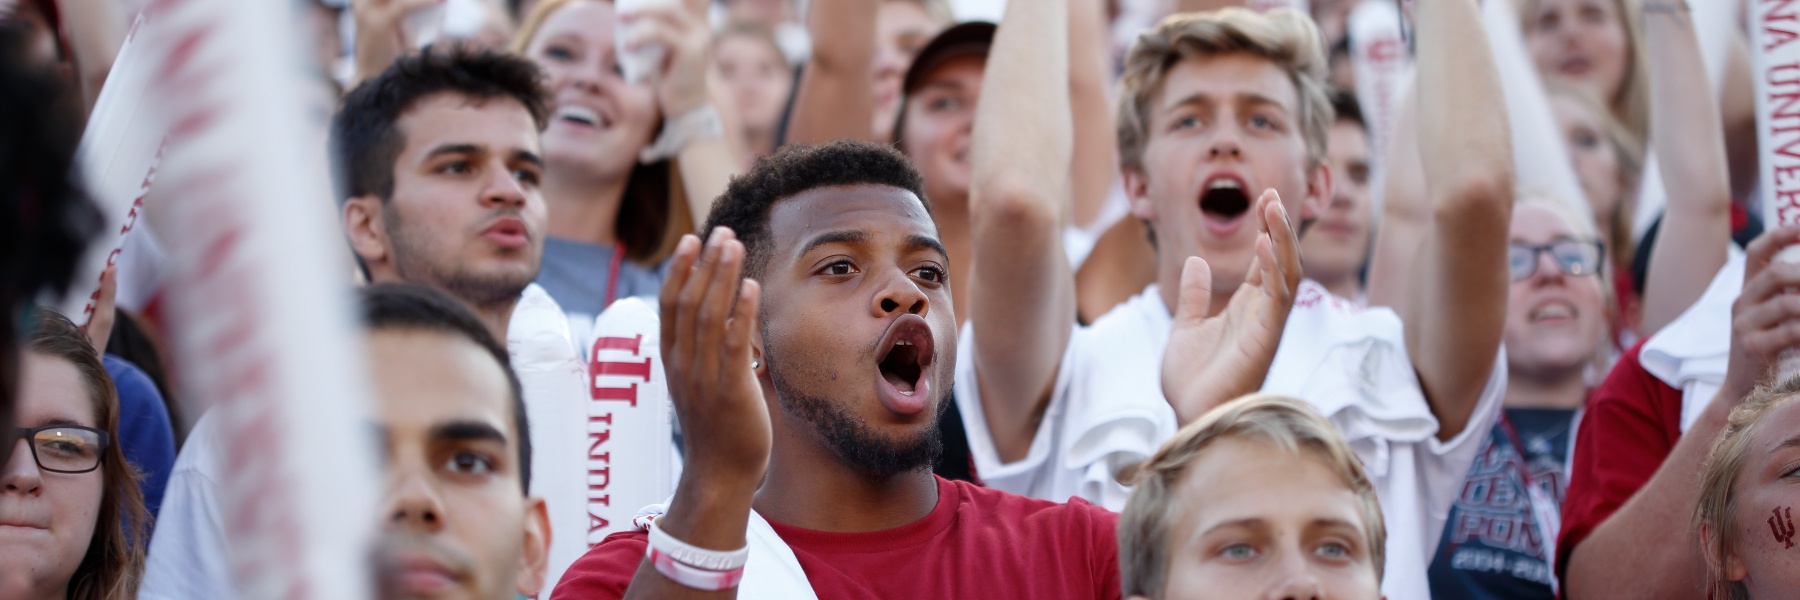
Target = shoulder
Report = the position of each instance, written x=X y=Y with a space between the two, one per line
x=1630 y=389
x=127 y=377
x=605 y=571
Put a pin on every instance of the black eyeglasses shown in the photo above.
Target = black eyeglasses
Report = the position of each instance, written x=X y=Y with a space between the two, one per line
x=65 y=448
x=1573 y=258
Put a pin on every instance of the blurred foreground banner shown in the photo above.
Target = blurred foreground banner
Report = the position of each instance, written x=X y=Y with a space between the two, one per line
x=258 y=305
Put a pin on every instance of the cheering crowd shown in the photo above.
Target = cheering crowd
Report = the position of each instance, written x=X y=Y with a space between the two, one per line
x=958 y=299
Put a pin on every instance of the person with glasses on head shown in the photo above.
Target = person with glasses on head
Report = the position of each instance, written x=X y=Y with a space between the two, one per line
x=1501 y=534
x=72 y=519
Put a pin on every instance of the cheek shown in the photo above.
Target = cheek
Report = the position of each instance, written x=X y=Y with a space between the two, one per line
x=77 y=508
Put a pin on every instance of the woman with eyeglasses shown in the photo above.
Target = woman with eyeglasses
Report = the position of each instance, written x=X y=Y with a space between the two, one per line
x=72 y=519
x=1501 y=533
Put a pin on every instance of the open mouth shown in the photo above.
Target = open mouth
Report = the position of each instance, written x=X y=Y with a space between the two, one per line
x=1552 y=311
x=906 y=356
x=1225 y=199
x=902 y=366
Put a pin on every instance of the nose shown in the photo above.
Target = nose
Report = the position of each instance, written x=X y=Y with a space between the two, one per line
x=413 y=502
x=1547 y=270
x=22 y=475
x=1296 y=581
x=1225 y=144
x=899 y=293
x=503 y=189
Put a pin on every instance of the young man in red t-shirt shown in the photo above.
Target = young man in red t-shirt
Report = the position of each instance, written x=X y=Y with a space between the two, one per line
x=1635 y=476
x=808 y=401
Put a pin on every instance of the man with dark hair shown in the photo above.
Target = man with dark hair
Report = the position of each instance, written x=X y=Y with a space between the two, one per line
x=458 y=517
x=809 y=399
x=437 y=164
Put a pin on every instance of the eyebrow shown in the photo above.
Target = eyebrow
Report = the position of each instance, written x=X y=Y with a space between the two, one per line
x=925 y=242
x=1258 y=522
x=466 y=431
x=835 y=237
x=455 y=149
x=529 y=156
x=1204 y=98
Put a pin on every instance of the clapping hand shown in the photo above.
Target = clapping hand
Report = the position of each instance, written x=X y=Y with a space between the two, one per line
x=1210 y=360
x=708 y=320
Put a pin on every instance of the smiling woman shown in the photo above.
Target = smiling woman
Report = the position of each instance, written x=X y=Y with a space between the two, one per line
x=72 y=519
x=1747 y=496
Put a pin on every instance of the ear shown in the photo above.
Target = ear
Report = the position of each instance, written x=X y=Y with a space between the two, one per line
x=1726 y=564
x=1136 y=189
x=534 y=555
x=368 y=234
x=1320 y=184
x=757 y=357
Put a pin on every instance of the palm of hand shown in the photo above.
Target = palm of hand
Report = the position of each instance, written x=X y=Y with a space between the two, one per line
x=1211 y=360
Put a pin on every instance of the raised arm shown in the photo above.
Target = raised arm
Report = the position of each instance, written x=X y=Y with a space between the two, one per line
x=1096 y=158
x=1458 y=307
x=683 y=90
x=96 y=30
x=1405 y=212
x=1023 y=303
x=1689 y=144
x=836 y=99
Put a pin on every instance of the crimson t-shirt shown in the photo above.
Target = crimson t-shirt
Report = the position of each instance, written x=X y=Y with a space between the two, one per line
x=977 y=543
x=1631 y=425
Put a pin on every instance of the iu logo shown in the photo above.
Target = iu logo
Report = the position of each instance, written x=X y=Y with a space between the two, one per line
x=1783 y=526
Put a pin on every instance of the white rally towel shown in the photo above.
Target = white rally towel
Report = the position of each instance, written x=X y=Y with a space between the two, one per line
x=554 y=381
x=772 y=572
x=1690 y=353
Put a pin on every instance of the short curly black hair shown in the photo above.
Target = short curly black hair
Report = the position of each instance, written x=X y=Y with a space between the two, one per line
x=747 y=201
x=364 y=139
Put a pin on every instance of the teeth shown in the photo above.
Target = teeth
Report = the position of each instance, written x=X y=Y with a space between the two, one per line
x=1555 y=311
x=1224 y=184
x=903 y=343
x=578 y=113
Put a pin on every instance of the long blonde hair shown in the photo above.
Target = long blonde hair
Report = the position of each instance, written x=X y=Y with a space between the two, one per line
x=1630 y=104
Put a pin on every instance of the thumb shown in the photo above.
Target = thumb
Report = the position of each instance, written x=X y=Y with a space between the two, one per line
x=1195 y=299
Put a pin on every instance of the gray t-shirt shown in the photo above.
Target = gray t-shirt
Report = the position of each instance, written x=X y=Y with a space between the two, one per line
x=575 y=274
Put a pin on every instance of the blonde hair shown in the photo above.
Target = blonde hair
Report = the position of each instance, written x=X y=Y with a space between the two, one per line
x=1630 y=104
x=1290 y=424
x=1282 y=36
x=1717 y=506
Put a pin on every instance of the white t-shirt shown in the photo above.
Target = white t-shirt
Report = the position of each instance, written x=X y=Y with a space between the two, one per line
x=1107 y=411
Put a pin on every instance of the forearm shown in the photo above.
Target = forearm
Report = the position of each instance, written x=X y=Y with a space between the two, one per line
x=1455 y=318
x=1404 y=213
x=1096 y=158
x=707 y=166
x=1648 y=549
x=707 y=514
x=1690 y=152
x=1023 y=303
x=836 y=97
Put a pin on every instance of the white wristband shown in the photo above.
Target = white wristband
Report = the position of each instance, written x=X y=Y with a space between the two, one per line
x=699 y=124
x=694 y=556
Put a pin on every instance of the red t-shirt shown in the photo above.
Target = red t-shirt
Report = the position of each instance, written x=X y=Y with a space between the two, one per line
x=1631 y=425
x=978 y=543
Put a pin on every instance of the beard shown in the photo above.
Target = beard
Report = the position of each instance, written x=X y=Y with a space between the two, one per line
x=851 y=438
x=416 y=260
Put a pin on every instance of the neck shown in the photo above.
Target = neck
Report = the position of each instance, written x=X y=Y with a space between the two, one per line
x=586 y=209
x=759 y=142
x=1343 y=286
x=810 y=487
x=1566 y=389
